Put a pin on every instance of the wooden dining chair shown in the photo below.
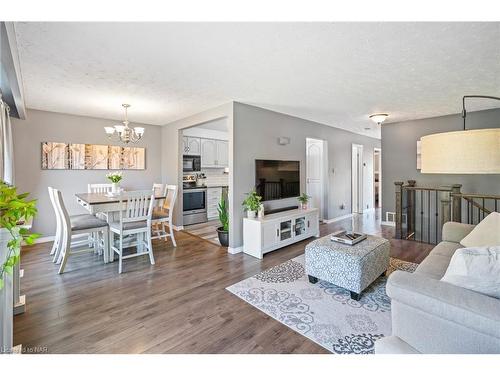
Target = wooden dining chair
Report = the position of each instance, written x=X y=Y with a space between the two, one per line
x=57 y=239
x=75 y=225
x=162 y=216
x=135 y=219
x=99 y=189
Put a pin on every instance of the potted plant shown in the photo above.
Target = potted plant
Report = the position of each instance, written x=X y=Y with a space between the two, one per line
x=252 y=204
x=223 y=231
x=303 y=199
x=15 y=210
x=115 y=178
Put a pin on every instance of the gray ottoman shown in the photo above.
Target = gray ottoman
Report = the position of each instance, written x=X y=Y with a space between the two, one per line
x=351 y=267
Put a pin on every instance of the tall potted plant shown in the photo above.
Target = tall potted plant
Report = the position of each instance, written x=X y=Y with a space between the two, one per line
x=14 y=209
x=223 y=231
x=252 y=204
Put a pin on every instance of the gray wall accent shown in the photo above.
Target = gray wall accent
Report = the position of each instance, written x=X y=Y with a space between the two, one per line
x=43 y=126
x=171 y=155
x=399 y=149
x=256 y=131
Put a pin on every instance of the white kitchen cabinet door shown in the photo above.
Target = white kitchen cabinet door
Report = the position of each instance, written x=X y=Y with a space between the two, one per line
x=270 y=235
x=222 y=154
x=193 y=146
x=208 y=153
x=185 y=141
x=213 y=199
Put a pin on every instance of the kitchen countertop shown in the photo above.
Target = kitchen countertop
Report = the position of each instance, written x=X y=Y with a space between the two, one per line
x=205 y=186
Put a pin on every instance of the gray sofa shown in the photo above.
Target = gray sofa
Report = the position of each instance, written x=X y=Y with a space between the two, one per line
x=431 y=316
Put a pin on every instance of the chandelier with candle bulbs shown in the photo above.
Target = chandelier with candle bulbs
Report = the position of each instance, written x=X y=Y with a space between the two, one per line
x=125 y=133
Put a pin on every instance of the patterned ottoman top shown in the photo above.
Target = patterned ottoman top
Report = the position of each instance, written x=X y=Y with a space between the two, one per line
x=359 y=250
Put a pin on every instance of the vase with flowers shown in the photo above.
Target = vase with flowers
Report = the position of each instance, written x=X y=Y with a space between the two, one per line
x=115 y=178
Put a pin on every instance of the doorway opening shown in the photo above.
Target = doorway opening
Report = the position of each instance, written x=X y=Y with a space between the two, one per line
x=357 y=179
x=316 y=166
x=377 y=177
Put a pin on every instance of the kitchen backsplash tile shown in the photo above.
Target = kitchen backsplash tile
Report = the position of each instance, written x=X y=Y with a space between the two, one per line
x=215 y=176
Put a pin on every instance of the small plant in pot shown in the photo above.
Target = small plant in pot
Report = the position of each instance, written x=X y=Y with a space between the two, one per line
x=303 y=199
x=115 y=178
x=252 y=204
x=223 y=231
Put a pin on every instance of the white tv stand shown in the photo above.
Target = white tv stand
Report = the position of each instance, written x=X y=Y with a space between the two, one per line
x=275 y=231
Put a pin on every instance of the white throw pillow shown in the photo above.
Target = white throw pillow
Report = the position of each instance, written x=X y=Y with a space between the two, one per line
x=476 y=269
x=486 y=233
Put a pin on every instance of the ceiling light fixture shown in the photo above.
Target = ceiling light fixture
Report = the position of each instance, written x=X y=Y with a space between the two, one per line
x=124 y=132
x=462 y=152
x=379 y=118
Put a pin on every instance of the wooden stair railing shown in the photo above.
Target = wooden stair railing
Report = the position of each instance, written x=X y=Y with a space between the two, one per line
x=426 y=209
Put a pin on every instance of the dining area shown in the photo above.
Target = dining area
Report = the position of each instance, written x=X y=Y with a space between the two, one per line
x=118 y=225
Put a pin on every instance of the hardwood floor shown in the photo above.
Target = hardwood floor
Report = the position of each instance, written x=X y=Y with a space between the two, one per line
x=207 y=231
x=179 y=305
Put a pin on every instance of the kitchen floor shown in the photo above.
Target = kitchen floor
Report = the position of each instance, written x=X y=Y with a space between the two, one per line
x=207 y=231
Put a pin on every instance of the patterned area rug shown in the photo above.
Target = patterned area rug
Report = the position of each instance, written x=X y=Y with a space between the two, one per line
x=322 y=312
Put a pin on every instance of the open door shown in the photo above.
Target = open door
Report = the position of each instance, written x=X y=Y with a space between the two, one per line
x=357 y=179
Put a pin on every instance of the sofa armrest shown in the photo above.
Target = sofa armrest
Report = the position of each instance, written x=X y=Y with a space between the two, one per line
x=455 y=232
x=447 y=301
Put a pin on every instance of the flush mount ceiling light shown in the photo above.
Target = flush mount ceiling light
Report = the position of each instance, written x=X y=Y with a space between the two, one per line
x=124 y=132
x=378 y=118
x=464 y=151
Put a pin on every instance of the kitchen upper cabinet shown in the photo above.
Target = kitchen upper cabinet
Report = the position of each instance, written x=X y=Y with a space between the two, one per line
x=191 y=145
x=208 y=153
x=222 y=154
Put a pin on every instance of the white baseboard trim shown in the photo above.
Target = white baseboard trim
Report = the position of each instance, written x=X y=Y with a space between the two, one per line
x=177 y=228
x=235 y=250
x=388 y=223
x=335 y=219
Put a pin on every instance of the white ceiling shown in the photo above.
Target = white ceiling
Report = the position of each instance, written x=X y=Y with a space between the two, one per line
x=334 y=73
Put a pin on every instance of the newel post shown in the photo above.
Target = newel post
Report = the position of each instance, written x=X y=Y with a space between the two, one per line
x=410 y=204
x=399 y=208
x=456 y=203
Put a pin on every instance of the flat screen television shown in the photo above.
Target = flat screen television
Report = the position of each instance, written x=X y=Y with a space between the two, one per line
x=277 y=179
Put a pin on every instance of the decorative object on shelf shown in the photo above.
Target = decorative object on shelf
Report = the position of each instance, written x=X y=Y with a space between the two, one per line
x=115 y=178
x=260 y=212
x=125 y=133
x=15 y=209
x=252 y=204
x=58 y=155
x=223 y=231
x=378 y=118
x=463 y=152
x=201 y=179
x=303 y=199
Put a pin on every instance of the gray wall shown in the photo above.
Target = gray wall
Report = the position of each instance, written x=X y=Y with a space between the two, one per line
x=256 y=131
x=43 y=126
x=399 y=148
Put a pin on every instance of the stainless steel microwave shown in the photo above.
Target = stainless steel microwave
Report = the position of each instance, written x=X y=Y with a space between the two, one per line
x=191 y=163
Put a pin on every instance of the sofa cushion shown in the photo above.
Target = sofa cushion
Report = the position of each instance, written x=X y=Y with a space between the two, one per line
x=436 y=263
x=477 y=269
x=486 y=233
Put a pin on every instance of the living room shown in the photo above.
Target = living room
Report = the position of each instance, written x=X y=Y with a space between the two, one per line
x=250 y=188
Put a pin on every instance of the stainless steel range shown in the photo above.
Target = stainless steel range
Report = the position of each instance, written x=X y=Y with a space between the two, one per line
x=194 y=199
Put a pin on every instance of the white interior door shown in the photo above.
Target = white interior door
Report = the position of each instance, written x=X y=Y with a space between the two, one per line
x=314 y=173
x=357 y=179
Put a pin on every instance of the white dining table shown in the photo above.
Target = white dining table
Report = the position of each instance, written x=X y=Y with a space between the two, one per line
x=96 y=203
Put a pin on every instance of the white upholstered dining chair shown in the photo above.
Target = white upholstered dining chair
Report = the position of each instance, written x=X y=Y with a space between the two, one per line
x=75 y=225
x=134 y=219
x=162 y=215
